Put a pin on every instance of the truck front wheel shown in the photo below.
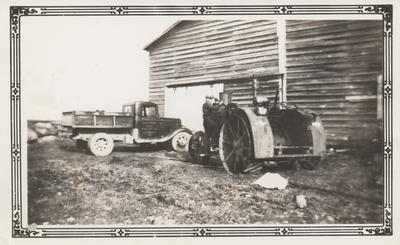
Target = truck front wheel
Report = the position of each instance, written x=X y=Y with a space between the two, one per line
x=101 y=144
x=180 y=141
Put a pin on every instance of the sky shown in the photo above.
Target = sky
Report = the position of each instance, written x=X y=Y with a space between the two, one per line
x=85 y=63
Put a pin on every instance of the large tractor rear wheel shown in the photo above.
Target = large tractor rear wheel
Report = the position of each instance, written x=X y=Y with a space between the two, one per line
x=235 y=144
x=101 y=144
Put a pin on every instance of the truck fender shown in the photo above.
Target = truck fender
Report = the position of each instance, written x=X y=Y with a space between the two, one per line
x=263 y=140
x=178 y=131
x=165 y=138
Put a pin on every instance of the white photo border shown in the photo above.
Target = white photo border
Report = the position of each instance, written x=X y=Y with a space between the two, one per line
x=18 y=230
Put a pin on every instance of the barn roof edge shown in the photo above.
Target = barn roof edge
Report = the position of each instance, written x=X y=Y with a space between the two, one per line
x=148 y=46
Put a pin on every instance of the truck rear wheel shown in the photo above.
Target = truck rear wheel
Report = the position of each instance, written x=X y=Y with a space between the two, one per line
x=101 y=144
x=180 y=141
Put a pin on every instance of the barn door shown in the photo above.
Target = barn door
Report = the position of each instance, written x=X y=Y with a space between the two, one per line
x=186 y=103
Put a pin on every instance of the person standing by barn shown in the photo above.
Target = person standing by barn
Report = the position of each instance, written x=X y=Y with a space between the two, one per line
x=210 y=122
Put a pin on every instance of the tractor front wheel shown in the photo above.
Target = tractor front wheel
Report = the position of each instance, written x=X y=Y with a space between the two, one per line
x=198 y=148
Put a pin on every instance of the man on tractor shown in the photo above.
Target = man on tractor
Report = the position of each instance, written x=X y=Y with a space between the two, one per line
x=212 y=120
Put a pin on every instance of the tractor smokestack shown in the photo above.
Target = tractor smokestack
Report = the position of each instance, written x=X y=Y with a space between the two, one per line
x=255 y=87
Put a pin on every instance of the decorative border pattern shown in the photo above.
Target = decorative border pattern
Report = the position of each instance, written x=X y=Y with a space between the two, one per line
x=18 y=12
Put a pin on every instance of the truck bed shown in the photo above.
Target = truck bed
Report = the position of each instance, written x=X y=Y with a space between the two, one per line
x=97 y=119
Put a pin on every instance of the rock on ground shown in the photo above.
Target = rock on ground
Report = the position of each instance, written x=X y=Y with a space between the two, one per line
x=70 y=219
x=32 y=136
x=45 y=128
x=301 y=201
x=330 y=219
x=47 y=139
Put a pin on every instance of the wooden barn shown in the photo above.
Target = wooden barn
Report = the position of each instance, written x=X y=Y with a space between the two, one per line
x=331 y=67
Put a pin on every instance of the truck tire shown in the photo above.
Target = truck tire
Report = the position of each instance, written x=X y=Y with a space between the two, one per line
x=101 y=144
x=81 y=144
x=180 y=142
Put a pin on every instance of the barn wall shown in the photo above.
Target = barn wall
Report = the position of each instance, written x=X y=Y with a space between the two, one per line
x=242 y=92
x=211 y=51
x=332 y=68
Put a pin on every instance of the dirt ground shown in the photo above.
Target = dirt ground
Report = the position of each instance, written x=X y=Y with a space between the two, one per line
x=154 y=186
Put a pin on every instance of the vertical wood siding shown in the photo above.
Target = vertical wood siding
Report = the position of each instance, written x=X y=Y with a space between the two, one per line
x=332 y=68
x=211 y=51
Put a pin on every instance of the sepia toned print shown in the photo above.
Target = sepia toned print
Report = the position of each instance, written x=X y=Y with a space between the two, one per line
x=251 y=127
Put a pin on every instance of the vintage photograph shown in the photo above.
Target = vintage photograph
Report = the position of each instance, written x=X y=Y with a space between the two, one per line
x=168 y=120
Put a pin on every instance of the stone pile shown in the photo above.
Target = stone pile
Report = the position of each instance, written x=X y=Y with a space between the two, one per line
x=42 y=132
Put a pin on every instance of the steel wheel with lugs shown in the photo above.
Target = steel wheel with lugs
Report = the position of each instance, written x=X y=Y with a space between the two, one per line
x=235 y=144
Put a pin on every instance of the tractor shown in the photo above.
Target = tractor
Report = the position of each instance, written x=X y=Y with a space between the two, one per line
x=261 y=133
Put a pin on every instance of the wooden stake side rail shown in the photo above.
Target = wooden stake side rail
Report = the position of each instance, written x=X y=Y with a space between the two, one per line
x=77 y=119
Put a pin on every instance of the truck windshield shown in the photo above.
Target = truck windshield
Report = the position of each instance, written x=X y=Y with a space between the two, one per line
x=149 y=111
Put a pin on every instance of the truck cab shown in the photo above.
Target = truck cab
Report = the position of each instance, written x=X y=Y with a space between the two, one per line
x=147 y=121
